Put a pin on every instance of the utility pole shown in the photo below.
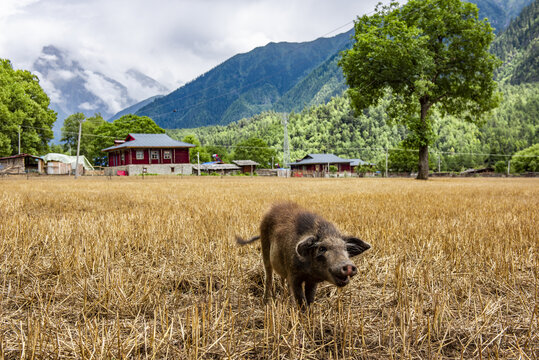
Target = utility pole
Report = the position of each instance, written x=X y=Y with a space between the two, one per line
x=198 y=162
x=78 y=150
x=286 y=147
x=386 y=162
x=439 y=163
x=19 y=139
x=509 y=167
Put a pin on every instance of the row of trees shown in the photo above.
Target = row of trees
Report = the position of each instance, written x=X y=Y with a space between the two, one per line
x=336 y=128
x=98 y=134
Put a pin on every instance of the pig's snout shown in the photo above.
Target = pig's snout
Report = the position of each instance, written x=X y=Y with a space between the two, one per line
x=348 y=270
x=342 y=274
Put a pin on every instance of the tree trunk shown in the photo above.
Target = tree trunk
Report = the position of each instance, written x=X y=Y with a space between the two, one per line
x=423 y=173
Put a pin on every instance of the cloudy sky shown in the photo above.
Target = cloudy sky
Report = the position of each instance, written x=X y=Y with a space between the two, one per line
x=172 y=41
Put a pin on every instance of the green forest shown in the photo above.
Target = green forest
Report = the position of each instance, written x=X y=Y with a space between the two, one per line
x=335 y=128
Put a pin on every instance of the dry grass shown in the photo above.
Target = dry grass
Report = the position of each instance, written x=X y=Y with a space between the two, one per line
x=132 y=268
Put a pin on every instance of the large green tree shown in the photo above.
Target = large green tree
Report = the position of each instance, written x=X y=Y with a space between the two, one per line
x=24 y=106
x=426 y=54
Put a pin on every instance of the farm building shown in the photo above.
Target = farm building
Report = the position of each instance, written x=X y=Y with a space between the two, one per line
x=247 y=166
x=148 y=153
x=355 y=163
x=318 y=165
x=217 y=167
x=20 y=164
x=60 y=164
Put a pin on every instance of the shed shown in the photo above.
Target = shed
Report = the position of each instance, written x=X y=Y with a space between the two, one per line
x=355 y=163
x=61 y=164
x=319 y=164
x=21 y=163
x=247 y=166
x=217 y=168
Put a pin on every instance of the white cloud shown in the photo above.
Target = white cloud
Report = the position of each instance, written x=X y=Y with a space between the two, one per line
x=172 y=41
x=87 y=106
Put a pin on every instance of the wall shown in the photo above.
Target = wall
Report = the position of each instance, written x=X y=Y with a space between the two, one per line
x=160 y=169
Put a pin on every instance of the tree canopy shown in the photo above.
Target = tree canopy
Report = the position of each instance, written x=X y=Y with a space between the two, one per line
x=255 y=149
x=105 y=133
x=527 y=159
x=426 y=54
x=88 y=144
x=23 y=106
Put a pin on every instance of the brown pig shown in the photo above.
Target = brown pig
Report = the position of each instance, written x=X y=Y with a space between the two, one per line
x=304 y=249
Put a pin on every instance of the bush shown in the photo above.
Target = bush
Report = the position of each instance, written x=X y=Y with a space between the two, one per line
x=526 y=160
x=500 y=167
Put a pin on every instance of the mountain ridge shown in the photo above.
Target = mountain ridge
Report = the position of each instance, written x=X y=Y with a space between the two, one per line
x=244 y=84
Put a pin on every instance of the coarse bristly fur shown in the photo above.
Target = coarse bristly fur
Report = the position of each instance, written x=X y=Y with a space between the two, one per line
x=305 y=249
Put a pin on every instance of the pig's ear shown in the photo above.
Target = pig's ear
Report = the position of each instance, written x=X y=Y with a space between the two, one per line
x=304 y=246
x=355 y=246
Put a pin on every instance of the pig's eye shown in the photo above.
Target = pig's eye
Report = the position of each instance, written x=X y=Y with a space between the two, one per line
x=322 y=249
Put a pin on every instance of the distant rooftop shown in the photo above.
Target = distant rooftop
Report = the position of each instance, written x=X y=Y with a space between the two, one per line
x=321 y=159
x=245 y=162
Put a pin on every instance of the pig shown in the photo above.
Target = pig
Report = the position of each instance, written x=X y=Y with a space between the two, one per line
x=305 y=249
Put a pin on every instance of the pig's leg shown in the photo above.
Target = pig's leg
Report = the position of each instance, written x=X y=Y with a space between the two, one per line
x=310 y=291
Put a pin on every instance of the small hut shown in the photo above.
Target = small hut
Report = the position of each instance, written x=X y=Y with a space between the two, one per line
x=60 y=164
x=247 y=166
x=21 y=164
x=216 y=168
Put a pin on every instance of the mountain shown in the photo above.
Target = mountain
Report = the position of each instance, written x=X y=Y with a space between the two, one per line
x=500 y=12
x=246 y=84
x=518 y=47
x=73 y=88
x=134 y=108
x=279 y=76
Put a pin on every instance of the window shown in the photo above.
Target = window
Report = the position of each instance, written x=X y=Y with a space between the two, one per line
x=171 y=169
x=166 y=154
x=140 y=154
x=123 y=157
x=155 y=155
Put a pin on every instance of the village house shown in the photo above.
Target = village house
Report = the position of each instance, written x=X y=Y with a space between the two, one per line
x=318 y=165
x=21 y=164
x=148 y=153
x=247 y=166
x=357 y=163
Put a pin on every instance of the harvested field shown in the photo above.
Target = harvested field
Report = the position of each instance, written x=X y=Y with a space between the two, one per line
x=132 y=268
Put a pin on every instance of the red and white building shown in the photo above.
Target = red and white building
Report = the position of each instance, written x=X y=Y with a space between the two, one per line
x=148 y=153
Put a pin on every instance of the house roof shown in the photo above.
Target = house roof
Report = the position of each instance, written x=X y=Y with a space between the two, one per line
x=66 y=159
x=149 y=141
x=19 y=156
x=245 y=162
x=216 y=167
x=359 y=162
x=321 y=159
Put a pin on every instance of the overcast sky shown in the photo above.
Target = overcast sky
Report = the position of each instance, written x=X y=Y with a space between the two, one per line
x=171 y=41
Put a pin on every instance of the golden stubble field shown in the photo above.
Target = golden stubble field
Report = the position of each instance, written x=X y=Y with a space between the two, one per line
x=131 y=268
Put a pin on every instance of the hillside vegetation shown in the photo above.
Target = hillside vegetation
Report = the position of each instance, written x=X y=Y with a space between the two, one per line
x=335 y=128
x=518 y=47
